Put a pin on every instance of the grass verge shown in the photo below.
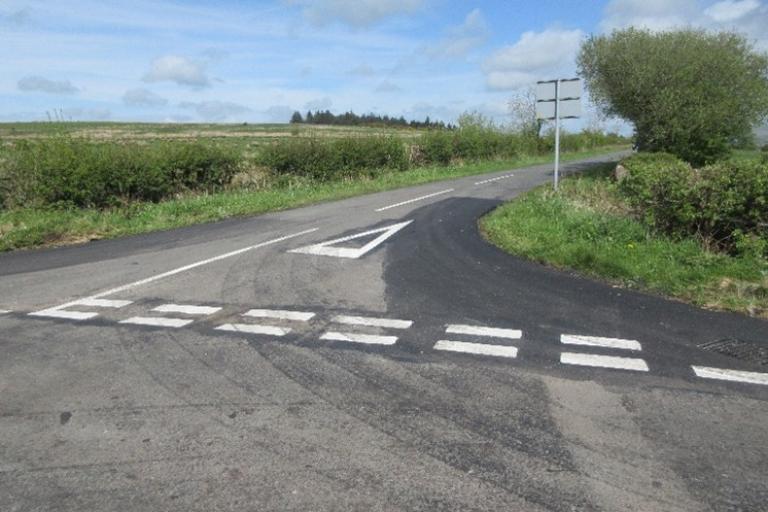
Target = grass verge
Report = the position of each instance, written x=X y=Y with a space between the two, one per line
x=587 y=227
x=25 y=228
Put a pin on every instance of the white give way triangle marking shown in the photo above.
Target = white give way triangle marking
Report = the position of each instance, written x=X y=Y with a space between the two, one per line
x=326 y=249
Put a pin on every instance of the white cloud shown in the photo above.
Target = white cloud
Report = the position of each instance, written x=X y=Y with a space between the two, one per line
x=180 y=70
x=143 y=98
x=388 y=87
x=87 y=114
x=278 y=114
x=729 y=10
x=535 y=56
x=652 y=14
x=217 y=111
x=319 y=104
x=356 y=13
x=42 y=84
x=463 y=38
x=362 y=70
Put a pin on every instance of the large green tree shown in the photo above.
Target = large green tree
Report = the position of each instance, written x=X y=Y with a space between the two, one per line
x=690 y=92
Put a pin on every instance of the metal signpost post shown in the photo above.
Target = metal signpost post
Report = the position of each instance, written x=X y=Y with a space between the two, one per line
x=556 y=100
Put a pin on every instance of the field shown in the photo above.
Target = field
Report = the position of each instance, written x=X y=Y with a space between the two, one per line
x=64 y=183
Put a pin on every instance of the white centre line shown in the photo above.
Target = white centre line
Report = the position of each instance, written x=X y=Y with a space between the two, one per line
x=268 y=330
x=67 y=315
x=492 y=332
x=281 y=314
x=594 y=341
x=180 y=270
x=415 y=199
x=618 y=363
x=731 y=375
x=389 y=323
x=103 y=303
x=367 y=339
x=476 y=348
x=187 y=309
x=495 y=179
x=174 y=323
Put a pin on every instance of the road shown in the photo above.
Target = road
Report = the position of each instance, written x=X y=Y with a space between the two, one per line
x=368 y=354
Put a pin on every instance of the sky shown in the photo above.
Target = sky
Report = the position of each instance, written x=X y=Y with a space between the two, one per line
x=258 y=61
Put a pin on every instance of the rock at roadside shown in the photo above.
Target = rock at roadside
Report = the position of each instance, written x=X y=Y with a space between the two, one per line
x=620 y=173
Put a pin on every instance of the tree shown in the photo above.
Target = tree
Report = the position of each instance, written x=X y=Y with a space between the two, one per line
x=522 y=110
x=296 y=118
x=689 y=92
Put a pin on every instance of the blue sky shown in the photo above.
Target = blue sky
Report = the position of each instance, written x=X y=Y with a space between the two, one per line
x=257 y=61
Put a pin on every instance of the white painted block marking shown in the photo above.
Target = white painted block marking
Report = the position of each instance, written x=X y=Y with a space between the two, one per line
x=325 y=249
x=731 y=375
x=414 y=200
x=491 y=180
x=389 y=323
x=618 y=363
x=268 y=330
x=476 y=348
x=4 y=311
x=103 y=303
x=186 y=309
x=66 y=315
x=367 y=339
x=594 y=341
x=173 y=323
x=185 y=268
x=491 y=332
x=280 y=314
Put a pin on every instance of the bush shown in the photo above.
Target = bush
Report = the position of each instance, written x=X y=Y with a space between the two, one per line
x=326 y=159
x=692 y=93
x=65 y=171
x=725 y=203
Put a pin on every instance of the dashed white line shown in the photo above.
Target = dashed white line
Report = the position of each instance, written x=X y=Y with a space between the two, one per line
x=389 y=323
x=476 y=348
x=494 y=179
x=595 y=341
x=66 y=315
x=173 y=323
x=731 y=375
x=280 y=314
x=368 y=339
x=268 y=330
x=415 y=199
x=187 y=309
x=103 y=303
x=618 y=363
x=4 y=311
x=182 y=269
x=492 y=332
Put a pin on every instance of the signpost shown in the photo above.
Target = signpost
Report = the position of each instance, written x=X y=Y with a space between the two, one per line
x=556 y=100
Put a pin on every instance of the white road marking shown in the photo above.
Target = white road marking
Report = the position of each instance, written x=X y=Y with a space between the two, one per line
x=594 y=341
x=186 y=309
x=268 y=330
x=4 y=311
x=325 y=249
x=368 y=339
x=67 y=315
x=280 y=314
x=618 y=363
x=476 y=348
x=104 y=303
x=415 y=199
x=174 y=323
x=389 y=323
x=495 y=179
x=731 y=375
x=472 y=330
x=182 y=269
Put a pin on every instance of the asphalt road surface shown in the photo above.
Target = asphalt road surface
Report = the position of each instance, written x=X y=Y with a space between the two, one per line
x=369 y=354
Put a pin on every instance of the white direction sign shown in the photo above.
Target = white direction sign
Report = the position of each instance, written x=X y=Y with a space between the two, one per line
x=327 y=249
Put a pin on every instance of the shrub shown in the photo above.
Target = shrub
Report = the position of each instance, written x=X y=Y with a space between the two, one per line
x=326 y=159
x=725 y=203
x=61 y=170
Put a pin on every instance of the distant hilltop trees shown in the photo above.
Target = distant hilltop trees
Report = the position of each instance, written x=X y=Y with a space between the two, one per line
x=352 y=119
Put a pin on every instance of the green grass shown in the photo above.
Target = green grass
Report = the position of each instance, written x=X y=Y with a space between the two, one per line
x=587 y=227
x=25 y=228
